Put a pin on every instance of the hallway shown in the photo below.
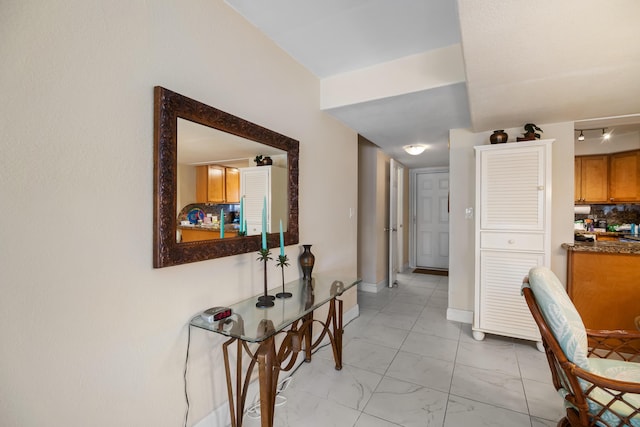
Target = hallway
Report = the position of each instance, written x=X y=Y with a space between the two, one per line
x=406 y=365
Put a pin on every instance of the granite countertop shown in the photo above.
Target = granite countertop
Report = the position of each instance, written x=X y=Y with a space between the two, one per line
x=216 y=228
x=601 y=233
x=609 y=247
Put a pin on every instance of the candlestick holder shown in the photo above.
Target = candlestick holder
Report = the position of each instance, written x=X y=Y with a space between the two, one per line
x=265 y=300
x=282 y=263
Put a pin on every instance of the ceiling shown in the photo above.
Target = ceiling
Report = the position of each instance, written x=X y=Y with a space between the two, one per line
x=405 y=72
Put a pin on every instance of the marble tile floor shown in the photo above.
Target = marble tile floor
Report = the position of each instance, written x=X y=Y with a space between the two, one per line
x=406 y=365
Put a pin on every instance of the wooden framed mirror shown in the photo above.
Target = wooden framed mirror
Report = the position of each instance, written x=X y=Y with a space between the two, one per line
x=170 y=108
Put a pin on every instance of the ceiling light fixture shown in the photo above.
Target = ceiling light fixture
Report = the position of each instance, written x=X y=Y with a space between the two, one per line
x=414 y=149
x=605 y=135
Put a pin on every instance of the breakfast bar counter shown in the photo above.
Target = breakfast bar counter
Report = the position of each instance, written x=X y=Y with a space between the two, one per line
x=606 y=247
x=603 y=281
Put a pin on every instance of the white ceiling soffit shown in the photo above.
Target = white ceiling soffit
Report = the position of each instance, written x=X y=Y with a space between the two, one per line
x=338 y=38
x=334 y=36
x=549 y=61
x=542 y=61
x=415 y=118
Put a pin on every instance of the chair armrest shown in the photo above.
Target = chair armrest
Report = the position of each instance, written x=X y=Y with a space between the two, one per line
x=604 y=382
x=618 y=344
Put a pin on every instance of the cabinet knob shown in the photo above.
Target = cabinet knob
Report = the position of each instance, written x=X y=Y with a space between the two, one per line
x=511 y=241
x=540 y=187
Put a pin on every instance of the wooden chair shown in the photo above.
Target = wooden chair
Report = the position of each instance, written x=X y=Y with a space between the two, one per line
x=596 y=372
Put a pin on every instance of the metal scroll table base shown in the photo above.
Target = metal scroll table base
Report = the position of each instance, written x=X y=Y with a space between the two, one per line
x=271 y=361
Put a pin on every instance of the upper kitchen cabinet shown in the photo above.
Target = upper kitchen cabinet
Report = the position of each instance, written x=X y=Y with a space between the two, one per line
x=232 y=185
x=591 y=178
x=608 y=178
x=217 y=184
x=624 y=178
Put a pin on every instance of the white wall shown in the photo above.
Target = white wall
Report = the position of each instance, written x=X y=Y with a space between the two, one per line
x=92 y=335
x=462 y=187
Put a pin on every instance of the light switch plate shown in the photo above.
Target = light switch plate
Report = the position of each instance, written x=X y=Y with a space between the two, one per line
x=468 y=213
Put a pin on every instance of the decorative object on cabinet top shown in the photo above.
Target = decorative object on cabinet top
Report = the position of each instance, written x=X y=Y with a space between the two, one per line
x=498 y=137
x=530 y=133
x=263 y=161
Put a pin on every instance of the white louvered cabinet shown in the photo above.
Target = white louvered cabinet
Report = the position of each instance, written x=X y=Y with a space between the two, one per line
x=262 y=184
x=513 y=224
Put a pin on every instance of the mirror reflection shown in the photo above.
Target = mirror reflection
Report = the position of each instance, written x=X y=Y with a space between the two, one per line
x=215 y=143
x=224 y=182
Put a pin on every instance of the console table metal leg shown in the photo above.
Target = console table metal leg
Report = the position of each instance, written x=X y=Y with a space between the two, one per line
x=308 y=336
x=268 y=370
x=337 y=333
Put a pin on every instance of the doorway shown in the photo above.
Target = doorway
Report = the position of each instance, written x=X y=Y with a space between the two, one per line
x=431 y=218
x=395 y=226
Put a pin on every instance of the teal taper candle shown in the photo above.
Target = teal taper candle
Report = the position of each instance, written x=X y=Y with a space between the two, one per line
x=222 y=223
x=264 y=224
x=281 y=240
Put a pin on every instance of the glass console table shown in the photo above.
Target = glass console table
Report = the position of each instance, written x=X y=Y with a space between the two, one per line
x=291 y=320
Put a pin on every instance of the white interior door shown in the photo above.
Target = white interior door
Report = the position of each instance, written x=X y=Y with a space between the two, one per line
x=395 y=225
x=432 y=220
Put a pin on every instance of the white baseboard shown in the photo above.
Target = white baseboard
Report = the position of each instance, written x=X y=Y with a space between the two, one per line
x=463 y=316
x=372 y=287
x=220 y=417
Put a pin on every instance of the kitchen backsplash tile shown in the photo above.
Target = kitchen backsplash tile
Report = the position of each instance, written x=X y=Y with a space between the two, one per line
x=231 y=211
x=613 y=214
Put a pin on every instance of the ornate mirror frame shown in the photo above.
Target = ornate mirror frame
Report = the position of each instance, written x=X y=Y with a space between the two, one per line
x=168 y=107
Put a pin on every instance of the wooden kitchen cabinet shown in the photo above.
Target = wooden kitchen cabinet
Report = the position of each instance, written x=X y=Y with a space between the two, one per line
x=604 y=288
x=232 y=185
x=591 y=179
x=217 y=184
x=624 y=176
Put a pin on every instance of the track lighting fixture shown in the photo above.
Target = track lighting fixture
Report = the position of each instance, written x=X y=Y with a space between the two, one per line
x=605 y=135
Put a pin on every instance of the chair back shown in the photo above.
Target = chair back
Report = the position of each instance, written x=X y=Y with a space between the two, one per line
x=560 y=315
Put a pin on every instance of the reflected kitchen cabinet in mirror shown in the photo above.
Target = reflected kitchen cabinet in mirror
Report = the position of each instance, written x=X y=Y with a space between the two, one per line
x=205 y=193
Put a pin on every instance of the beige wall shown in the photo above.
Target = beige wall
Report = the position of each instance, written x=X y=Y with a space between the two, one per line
x=373 y=202
x=462 y=187
x=92 y=335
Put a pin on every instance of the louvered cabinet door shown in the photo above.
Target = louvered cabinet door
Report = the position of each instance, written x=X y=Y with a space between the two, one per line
x=512 y=189
x=513 y=202
x=503 y=310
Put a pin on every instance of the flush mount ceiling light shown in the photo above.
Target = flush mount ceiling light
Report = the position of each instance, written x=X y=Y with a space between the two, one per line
x=414 y=149
x=605 y=135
